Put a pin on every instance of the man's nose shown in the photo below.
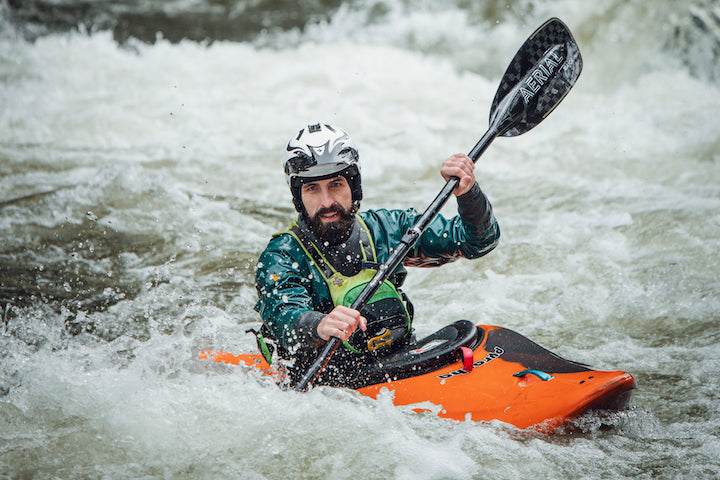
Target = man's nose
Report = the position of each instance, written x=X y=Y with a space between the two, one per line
x=326 y=200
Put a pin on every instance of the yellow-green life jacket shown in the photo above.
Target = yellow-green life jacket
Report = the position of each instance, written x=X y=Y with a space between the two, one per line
x=389 y=323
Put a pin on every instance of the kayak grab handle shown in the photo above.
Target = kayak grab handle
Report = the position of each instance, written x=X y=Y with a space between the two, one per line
x=466 y=355
x=538 y=373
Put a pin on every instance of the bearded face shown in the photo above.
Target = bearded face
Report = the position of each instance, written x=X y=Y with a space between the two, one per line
x=329 y=210
x=333 y=232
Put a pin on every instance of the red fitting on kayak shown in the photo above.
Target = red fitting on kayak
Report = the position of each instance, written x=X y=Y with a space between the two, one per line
x=467 y=358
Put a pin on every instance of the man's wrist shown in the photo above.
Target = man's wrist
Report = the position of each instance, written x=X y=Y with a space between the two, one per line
x=306 y=327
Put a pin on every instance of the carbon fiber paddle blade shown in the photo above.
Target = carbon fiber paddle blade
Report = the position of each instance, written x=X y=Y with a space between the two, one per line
x=542 y=72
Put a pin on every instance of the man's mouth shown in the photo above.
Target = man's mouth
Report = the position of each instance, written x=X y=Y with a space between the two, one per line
x=329 y=215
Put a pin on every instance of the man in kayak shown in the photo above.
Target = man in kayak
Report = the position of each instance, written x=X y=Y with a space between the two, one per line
x=309 y=275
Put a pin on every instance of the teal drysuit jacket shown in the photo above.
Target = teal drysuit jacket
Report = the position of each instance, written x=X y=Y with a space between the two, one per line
x=292 y=293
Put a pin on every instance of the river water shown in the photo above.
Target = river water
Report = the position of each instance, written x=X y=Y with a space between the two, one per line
x=140 y=177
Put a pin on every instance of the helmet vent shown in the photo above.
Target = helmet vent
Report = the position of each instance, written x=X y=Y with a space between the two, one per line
x=314 y=128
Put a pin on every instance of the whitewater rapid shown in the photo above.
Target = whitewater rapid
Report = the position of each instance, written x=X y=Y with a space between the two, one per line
x=141 y=178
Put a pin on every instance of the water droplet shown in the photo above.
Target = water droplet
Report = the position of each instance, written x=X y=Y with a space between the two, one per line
x=91 y=216
x=295 y=265
x=66 y=287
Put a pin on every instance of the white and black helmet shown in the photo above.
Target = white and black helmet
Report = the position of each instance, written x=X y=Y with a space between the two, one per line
x=321 y=151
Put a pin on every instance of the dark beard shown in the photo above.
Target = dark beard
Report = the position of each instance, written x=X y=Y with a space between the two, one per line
x=336 y=232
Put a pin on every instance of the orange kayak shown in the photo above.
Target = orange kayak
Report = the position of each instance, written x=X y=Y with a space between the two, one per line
x=481 y=372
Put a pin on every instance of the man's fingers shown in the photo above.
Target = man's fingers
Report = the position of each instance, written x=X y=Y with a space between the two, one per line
x=341 y=322
x=460 y=166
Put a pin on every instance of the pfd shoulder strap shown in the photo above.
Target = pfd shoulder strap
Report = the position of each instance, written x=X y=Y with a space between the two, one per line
x=312 y=251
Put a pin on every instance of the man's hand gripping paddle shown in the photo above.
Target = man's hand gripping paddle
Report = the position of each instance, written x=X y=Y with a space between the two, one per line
x=539 y=76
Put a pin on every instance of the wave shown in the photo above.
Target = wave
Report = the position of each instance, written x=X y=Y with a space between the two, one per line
x=686 y=36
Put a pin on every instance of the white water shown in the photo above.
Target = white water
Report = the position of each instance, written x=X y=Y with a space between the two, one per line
x=138 y=183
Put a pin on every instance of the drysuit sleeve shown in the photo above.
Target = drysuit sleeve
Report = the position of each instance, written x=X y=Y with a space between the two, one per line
x=289 y=295
x=479 y=225
x=472 y=233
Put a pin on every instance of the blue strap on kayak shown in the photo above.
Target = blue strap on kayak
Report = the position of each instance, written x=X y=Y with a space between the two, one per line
x=538 y=373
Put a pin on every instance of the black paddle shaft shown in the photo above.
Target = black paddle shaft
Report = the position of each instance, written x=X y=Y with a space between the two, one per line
x=539 y=76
